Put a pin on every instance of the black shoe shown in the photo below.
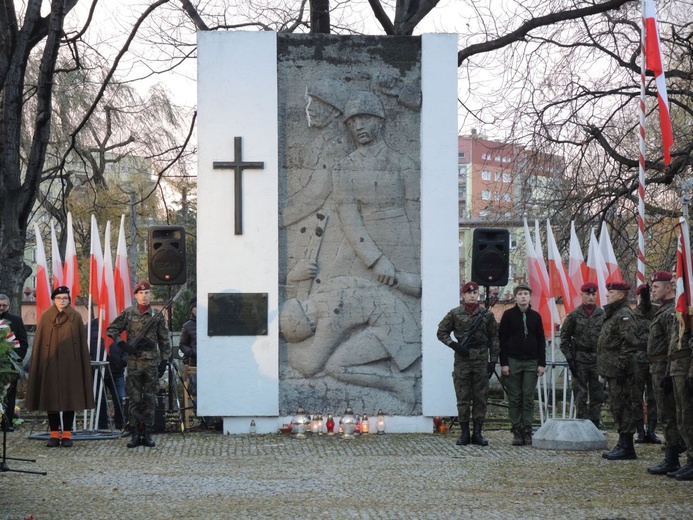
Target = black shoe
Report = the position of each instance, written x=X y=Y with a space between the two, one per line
x=528 y=435
x=651 y=436
x=464 y=436
x=53 y=442
x=134 y=440
x=518 y=438
x=477 y=437
x=670 y=464
x=686 y=472
x=640 y=437
x=66 y=442
x=147 y=440
x=625 y=451
x=675 y=474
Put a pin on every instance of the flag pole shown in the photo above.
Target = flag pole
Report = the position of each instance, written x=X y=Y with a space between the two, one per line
x=641 y=157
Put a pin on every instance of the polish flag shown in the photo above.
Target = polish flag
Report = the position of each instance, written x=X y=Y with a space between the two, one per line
x=684 y=271
x=107 y=308
x=43 y=291
x=609 y=257
x=546 y=290
x=577 y=269
x=653 y=62
x=561 y=283
x=123 y=282
x=56 y=262
x=597 y=270
x=95 y=263
x=539 y=303
x=71 y=268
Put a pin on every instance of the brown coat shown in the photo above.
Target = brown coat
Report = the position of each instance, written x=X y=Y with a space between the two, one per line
x=60 y=376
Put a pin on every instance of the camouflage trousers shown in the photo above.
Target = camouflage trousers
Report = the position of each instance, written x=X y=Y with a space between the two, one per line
x=471 y=389
x=141 y=386
x=684 y=413
x=666 y=406
x=588 y=391
x=643 y=391
x=621 y=405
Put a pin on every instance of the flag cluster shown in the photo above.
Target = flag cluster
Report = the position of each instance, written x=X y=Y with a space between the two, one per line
x=684 y=278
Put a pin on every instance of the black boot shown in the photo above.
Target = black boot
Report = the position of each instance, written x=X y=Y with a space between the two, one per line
x=640 y=432
x=670 y=463
x=518 y=437
x=651 y=436
x=135 y=438
x=528 y=435
x=596 y=423
x=147 y=438
x=464 y=436
x=625 y=452
x=477 y=438
x=686 y=472
x=615 y=449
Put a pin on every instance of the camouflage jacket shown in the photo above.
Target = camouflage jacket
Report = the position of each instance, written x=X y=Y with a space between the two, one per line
x=484 y=345
x=643 y=315
x=663 y=330
x=132 y=321
x=617 y=342
x=579 y=334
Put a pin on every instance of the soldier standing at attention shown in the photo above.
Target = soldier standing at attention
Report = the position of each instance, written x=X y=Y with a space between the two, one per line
x=663 y=331
x=579 y=334
x=476 y=354
x=146 y=362
x=616 y=350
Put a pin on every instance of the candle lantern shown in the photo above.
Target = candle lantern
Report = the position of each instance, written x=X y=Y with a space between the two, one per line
x=253 y=426
x=365 y=425
x=380 y=423
x=348 y=423
x=437 y=421
x=320 y=424
x=300 y=423
x=330 y=424
x=314 y=425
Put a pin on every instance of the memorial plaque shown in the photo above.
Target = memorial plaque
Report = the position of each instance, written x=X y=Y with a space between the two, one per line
x=237 y=314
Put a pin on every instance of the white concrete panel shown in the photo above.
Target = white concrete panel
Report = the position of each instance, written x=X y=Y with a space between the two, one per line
x=439 y=216
x=237 y=97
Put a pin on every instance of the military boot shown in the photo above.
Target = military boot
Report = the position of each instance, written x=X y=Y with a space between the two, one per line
x=477 y=438
x=135 y=438
x=464 y=436
x=615 y=449
x=625 y=452
x=670 y=464
x=686 y=467
x=518 y=437
x=528 y=435
x=686 y=472
x=640 y=432
x=147 y=438
x=651 y=436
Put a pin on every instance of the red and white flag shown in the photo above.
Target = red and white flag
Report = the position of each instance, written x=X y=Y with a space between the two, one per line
x=123 y=282
x=107 y=307
x=56 y=262
x=546 y=290
x=43 y=291
x=684 y=271
x=653 y=62
x=536 y=282
x=561 y=283
x=607 y=251
x=71 y=267
x=95 y=264
x=577 y=269
x=597 y=270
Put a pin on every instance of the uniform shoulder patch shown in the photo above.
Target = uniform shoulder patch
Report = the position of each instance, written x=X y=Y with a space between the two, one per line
x=625 y=318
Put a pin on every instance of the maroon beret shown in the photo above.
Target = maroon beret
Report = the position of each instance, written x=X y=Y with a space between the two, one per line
x=640 y=288
x=589 y=287
x=617 y=286
x=470 y=286
x=142 y=285
x=661 y=276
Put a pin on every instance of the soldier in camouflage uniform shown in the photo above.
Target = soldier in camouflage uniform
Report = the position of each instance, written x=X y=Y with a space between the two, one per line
x=616 y=350
x=475 y=360
x=663 y=330
x=579 y=334
x=146 y=362
x=643 y=314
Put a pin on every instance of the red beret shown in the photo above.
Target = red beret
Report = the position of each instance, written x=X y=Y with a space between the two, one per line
x=470 y=286
x=617 y=286
x=661 y=276
x=640 y=288
x=589 y=287
x=142 y=285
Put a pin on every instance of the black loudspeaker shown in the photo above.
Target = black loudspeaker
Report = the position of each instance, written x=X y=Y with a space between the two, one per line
x=490 y=256
x=166 y=255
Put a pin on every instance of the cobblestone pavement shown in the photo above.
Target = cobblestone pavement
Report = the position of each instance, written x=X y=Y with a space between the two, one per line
x=405 y=476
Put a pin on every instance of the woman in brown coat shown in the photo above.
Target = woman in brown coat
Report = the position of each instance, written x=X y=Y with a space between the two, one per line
x=60 y=377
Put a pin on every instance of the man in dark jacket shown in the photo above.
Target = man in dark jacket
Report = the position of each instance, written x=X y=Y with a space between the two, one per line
x=188 y=337
x=17 y=327
x=523 y=361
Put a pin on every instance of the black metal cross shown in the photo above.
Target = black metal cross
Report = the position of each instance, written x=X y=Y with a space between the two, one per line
x=237 y=165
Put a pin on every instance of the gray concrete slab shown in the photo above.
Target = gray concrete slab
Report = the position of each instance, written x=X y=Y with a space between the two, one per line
x=569 y=434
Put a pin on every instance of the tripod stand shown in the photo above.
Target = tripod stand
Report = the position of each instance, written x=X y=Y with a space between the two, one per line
x=4 y=467
x=174 y=376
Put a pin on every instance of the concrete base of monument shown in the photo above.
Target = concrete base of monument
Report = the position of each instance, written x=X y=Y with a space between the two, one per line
x=569 y=434
x=265 y=425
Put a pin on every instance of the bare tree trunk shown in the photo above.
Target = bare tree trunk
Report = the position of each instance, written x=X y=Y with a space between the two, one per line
x=320 y=16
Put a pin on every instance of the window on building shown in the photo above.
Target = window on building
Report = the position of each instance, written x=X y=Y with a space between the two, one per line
x=496 y=195
x=485 y=175
x=460 y=155
x=507 y=178
x=498 y=158
x=485 y=195
x=484 y=213
x=497 y=176
x=506 y=197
